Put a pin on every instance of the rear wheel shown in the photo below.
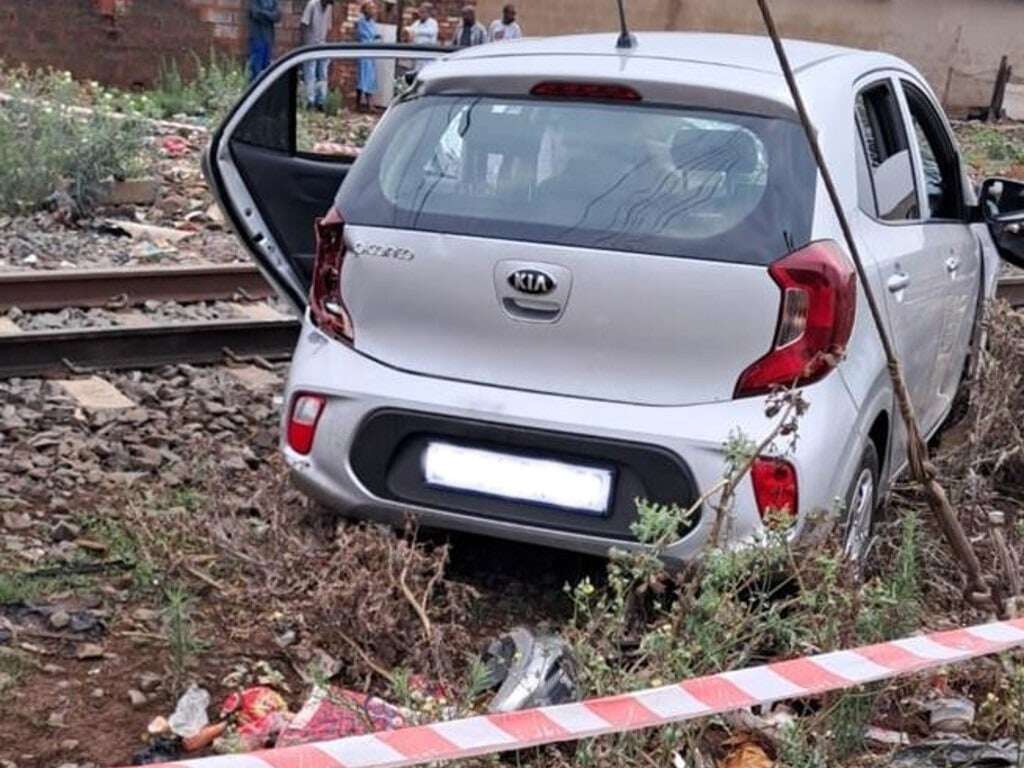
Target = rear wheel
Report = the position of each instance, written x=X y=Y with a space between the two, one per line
x=861 y=500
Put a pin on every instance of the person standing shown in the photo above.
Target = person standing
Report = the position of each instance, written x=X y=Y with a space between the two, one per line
x=505 y=28
x=470 y=31
x=263 y=15
x=314 y=27
x=366 y=32
x=423 y=31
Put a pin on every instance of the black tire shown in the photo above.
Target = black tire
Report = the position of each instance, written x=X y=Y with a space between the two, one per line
x=859 y=513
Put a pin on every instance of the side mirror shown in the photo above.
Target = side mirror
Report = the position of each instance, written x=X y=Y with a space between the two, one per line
x=1002 y=207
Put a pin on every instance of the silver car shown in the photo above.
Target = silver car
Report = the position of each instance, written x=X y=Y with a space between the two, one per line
x=560 y=275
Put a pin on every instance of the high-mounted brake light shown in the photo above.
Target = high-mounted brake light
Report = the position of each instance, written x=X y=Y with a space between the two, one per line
x=326 y=306
x=586 y=91
x=775 y=487
x=302 y=421
x=819 y=300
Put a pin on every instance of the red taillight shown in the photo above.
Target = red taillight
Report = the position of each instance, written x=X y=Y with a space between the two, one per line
x=586 y=91
x=326 y=306
x=302 y=421
x=775 y=487
x=819 y=300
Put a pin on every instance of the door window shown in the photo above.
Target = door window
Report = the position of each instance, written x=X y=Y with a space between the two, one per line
x=887 y=150
x=938 y=156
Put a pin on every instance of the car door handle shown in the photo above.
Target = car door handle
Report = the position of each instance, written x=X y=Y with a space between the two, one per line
x=541 y=311
x=952 y=264
x=898 y=282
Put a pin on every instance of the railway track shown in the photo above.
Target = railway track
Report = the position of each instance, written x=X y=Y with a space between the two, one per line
x=39 y=290
x=1011 y=289
x=45 y=353
x=146 y=345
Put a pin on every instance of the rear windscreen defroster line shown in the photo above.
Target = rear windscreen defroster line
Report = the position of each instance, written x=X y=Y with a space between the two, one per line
x=644 y=179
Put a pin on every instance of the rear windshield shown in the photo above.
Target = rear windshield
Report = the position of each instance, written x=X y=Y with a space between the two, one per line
x=646 y=179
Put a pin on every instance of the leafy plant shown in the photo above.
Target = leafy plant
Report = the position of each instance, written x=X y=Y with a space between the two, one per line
x=49 y=144
x=16 y=588
x=218 y=82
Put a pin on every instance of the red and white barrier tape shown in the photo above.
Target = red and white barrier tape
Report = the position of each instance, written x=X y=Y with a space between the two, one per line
x=699 y=697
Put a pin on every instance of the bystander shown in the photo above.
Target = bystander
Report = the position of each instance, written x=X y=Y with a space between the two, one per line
x=314 y=26
x=505 y=28
x=263 y=15
x=469 y=31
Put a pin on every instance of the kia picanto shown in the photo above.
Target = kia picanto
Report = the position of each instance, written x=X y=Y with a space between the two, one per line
x=560 y=275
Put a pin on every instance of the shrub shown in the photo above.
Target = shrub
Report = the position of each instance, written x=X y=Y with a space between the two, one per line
x=48 y=143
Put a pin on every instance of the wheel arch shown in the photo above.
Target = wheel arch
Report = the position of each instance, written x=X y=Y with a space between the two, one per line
x=880 y=434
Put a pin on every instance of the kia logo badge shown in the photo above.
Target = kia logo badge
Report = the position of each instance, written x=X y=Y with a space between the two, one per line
x=532 y=281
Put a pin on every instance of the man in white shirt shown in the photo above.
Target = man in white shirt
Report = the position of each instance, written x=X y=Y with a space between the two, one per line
x=423 y=31
x=314 y=27
x=506 y=27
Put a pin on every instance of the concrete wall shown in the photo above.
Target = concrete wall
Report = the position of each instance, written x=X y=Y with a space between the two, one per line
x=957 y=44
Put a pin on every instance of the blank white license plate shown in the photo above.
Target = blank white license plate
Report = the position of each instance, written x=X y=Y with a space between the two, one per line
x=542 y=481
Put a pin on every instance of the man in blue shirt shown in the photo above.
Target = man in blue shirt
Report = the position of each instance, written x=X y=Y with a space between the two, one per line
x=263 y=15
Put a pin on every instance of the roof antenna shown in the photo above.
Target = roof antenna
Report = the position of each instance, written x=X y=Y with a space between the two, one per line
x=626 y=39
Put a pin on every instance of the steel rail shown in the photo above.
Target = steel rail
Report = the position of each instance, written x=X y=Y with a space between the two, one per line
x=38 y=290
x=1011 y=290
x=48 y=353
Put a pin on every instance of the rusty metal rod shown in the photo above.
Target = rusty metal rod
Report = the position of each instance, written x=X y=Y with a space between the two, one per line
x=37 y=290
x=921 y=468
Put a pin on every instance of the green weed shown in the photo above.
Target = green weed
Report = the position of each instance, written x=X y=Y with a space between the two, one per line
x=182 y=641
x=47 y=144
x=122 y=544
x=12 y=670
x=217 y=84
x=17 y=588
x=734 y=609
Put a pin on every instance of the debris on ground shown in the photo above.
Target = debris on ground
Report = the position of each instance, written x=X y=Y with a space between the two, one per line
x=529 y=671
x=253 y=718
x=333 y=713
x=189 y=716
x=959 y=753
x=174 y=146
x=746 y=754
x=953 y=715
x=205 y=738
x=164 y=749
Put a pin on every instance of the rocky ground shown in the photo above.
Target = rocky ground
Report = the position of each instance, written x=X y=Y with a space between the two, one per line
x=106 y=515
x=176 y=198
x=150 y=312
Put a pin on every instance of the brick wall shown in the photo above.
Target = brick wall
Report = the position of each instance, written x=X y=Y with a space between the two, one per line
x=126 y=42
x=121 y=42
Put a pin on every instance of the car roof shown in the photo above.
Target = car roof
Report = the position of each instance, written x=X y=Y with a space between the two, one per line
x=715 y=71
x=750 y=52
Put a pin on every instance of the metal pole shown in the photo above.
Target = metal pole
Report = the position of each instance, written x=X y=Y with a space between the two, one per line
x=921 y=469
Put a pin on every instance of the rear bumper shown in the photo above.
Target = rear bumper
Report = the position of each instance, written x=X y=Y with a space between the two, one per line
x=348 y=471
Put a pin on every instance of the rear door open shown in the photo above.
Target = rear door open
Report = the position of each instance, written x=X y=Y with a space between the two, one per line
x=274 y=166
